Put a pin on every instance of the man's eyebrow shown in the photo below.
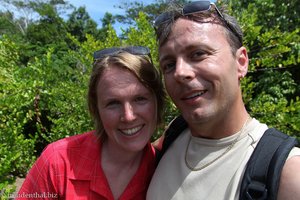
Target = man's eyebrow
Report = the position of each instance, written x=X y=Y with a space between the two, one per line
x=165 y=57
x=199 y=46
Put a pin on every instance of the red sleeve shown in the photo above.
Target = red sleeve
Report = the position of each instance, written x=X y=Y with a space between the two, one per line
x=43 y=180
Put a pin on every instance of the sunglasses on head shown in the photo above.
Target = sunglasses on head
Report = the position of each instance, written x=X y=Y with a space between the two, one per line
x=135 y=50
x=191 y=8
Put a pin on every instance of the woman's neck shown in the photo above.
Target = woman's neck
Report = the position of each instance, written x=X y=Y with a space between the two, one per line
x=112 y=153
x=119 y=167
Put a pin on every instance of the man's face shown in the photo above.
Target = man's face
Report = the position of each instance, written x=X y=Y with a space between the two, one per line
x=201 y=74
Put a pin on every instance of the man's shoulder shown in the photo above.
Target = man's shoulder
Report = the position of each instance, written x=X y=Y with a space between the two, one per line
x=263 y=169
x=290 y=179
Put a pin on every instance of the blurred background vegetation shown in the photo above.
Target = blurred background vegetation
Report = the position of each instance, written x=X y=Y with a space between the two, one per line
x=46 y=60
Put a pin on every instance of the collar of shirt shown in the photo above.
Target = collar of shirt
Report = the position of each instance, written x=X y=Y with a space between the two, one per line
x=87 y=156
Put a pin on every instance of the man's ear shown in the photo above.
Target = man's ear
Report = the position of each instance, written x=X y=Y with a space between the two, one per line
x=242 y=62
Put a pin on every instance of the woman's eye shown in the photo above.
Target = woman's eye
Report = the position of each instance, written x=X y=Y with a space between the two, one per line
x=141 y=99
x=112 y=103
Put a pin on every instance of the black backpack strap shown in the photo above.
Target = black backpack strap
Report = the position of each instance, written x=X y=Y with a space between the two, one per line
x=175 y=128
x=262 y=175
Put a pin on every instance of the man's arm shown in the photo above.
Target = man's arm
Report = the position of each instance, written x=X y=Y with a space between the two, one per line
x=289 y=187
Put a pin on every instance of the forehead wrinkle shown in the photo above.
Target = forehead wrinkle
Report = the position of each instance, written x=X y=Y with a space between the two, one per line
x=185 y=31
x=180 y=36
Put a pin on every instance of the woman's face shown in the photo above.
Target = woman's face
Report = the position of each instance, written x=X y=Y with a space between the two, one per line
x=127 y=109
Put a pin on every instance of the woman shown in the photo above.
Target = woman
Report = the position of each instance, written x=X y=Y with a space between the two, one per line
x=116 y=161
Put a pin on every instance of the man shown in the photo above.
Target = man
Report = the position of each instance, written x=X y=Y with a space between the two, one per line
x=203 y=60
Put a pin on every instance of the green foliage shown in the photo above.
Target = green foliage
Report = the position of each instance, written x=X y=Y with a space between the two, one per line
x=132 y=10
x=272 y=13
x=6 y=25
x=271 y=90
x=79 y=24
x=272 y=103
x=16 y=151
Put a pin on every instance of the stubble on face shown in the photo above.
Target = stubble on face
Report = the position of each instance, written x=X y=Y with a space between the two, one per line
x=215 y=70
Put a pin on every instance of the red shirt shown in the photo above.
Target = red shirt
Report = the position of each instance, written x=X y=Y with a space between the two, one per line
x=71 y=169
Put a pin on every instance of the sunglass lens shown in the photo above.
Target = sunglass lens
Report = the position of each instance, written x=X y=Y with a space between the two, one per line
x=162 y=18
x=105 y=52
x=137 y=50
x=196 y=6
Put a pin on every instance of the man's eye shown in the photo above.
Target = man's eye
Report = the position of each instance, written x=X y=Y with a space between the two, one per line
x=168 y=67
x=198 y=54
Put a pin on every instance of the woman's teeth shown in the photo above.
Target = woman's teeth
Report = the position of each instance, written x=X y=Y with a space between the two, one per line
x=131 y=131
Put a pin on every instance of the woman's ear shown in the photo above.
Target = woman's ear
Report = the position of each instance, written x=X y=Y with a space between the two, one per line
x=242 y=62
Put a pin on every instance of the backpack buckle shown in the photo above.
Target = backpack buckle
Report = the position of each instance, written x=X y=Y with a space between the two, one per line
x=257 y=191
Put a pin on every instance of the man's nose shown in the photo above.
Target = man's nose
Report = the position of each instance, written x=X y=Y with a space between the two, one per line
x=184 y=71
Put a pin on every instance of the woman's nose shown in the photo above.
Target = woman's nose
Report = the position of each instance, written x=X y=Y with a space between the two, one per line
x=128 y=113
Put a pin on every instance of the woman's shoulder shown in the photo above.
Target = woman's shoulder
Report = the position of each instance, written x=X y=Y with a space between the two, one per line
x=75 y=142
